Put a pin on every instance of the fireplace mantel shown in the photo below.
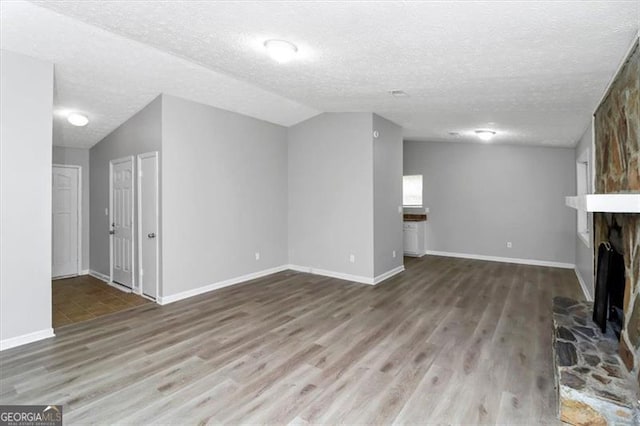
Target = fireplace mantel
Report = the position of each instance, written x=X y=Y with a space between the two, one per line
x=611 y=203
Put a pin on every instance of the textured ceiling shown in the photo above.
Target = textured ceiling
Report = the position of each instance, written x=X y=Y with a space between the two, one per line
x=110 y=77
x=534 y=71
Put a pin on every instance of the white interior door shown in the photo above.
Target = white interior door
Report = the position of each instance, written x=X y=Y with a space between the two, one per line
x=65 y=195
x=148 y=223
x=121 y=217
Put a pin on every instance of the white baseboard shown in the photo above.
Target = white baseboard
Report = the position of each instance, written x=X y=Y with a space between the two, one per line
x=26 y=338
x=84 y=272
x=98 y=275
x=532 y=262
x=106 y=279
x=583 y=285
x=408 y=254
x=388 y=274
x=347 y=277
x=332 y=274
x=164 y=300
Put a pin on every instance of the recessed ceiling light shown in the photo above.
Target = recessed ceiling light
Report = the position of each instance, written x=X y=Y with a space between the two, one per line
x=77 y=119
x=281 y=50
x=485 y=135
x=398 y=93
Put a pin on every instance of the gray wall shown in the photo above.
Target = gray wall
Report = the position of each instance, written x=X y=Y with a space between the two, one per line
x=141 y=133
x=584 y=254
x=387 y=195
x=331 y=193
x=25 y=184
x=79 y=157
x=224 y=195
x=480 y=196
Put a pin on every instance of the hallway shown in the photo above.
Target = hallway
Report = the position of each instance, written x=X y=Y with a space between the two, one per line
x=84 y=297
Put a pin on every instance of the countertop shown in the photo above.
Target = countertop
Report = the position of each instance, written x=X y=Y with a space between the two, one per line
x=414 y=217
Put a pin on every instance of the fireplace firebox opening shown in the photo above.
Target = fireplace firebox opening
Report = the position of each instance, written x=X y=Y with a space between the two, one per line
x=608 y=307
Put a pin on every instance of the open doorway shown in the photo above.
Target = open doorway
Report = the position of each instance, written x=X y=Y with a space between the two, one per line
x=76 y=295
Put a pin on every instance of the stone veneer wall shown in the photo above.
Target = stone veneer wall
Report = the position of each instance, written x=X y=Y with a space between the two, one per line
x=617 y=158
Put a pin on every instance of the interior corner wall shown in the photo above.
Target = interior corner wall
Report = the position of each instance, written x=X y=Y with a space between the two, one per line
x=387 y=196
x=140 y=134
x=224 y=196
x=330 y=162
x=26 y=112
x=481 y=196
x=584 y=254
x=79 y=157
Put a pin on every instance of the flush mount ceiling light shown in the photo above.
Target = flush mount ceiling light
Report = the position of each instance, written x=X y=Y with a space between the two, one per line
x=281 y=50
x=485 y=135
x=398 y=93
x=77 y=119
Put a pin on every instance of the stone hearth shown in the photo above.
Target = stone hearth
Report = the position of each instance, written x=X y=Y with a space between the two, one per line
x=594 y=387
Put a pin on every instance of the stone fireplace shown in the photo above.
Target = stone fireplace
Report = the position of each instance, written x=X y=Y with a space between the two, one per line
x=617 y=170
x=597 y=347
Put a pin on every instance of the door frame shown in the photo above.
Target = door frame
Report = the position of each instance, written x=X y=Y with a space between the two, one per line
x=140 y=157
x=79 y=262
x=133 y=224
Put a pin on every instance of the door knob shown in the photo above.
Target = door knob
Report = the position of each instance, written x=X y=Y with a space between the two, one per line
x=112 y=232
x=151 y=235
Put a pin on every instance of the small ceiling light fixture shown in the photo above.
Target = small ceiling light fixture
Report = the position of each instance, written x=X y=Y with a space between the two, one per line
x=77 y=119
x=485 y=135
x=398 y=93
x=281 y=51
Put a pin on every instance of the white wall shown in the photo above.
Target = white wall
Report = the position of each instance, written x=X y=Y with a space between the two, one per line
x=79 y=157
x=25 y=184
x=387 y=195
x=224 y=195
x=141 y=133
x=585 y=254
x=331 y=193
x=480 y=196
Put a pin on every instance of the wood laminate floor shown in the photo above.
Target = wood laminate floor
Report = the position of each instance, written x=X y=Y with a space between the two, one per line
x=85 y=297
x=447 y=341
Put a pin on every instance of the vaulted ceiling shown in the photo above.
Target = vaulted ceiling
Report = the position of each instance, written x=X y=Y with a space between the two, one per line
x=533 y=71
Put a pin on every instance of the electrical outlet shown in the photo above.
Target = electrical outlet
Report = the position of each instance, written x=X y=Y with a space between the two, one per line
x=106 y=212
x=257 y=255
x=352 y=258
x=509 y=245
x=400 y=209
x=393 y=254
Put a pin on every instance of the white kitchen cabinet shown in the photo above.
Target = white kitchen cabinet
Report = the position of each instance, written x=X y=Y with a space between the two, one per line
x=414 y=238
